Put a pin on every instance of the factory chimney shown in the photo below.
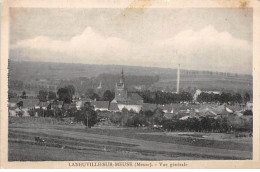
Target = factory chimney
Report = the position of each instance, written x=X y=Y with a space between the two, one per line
x=178 y=79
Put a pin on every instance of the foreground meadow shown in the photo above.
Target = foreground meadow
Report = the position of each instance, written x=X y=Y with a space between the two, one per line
x=68 y=142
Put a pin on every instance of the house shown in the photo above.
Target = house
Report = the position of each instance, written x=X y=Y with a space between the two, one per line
x=185 y=117
x=182 y=113
x=44 y=105
x=80 y=103
x=238 y=113
x=29 y=104
x=210 y=114
x=13 y=111
x=56 y=104
x=100 y=105
x=168 y=108
x=13 y=101
x=169 y=115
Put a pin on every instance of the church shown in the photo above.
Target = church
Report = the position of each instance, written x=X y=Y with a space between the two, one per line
x=124 y=99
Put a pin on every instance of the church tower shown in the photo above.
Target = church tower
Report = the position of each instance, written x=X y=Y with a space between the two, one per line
x=120 y=89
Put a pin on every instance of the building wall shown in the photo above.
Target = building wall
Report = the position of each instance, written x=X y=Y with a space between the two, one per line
x=135 y=108
x=101 y=109
x=25 y=112
x=79 y=104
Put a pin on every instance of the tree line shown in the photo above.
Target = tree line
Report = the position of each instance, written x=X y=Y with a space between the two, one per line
x=207 y=124
x=223 y=97
x=160 y=97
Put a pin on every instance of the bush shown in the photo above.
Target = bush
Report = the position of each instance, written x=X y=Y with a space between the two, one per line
x=135 y=120
x=31 y=112
x=20 y=113
x=116 y=118
x=248 y=113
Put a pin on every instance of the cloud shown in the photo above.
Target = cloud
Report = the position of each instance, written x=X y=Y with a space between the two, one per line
x=88 y=46
x=206 y=49
x=210 y=49
x=208 y=37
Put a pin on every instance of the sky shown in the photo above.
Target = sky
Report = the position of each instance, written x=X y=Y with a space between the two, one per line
x=198 y=39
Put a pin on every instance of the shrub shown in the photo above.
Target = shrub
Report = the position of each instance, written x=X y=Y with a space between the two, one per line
x=248 y=113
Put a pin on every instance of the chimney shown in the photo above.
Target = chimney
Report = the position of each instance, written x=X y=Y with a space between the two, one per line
x=178 y=79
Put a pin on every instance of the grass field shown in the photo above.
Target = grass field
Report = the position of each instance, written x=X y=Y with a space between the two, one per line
x=64 y=142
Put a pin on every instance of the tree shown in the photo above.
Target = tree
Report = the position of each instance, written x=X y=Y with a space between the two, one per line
x=225 y=97
x=248 y=113
x=185 y=96
x=72 y=111
x=108 y=96
x=31 y=112
x=65 y=94
x=89 y=93
x=158 y=116
x=11 y=95
x=71 y=89
x=95 y=97
x=87 y=115
x=42 y=95
x=246 y=97
x=20 y=113
x=57 y=112
x=23 y=96
x=90 y=117
x=237 y=98
x=52 y=95
x=48 y=113
x=20 y=104
x=116 y=118
x=148 y=113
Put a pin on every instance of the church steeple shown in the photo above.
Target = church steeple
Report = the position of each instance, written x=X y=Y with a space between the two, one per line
x=122 y=78
x=120 y=90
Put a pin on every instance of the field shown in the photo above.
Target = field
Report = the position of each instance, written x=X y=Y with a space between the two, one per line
x=68 y=142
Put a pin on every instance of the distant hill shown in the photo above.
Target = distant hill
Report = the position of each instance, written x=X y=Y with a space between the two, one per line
x=166 y=77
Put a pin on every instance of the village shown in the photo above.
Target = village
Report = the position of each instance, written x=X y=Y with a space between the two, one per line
x=115 y=108
x=122 y=124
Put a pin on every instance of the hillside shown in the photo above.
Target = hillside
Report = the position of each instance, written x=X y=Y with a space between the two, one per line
x=160 y=78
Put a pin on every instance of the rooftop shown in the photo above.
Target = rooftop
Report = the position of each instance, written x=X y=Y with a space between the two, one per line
x=113 y=106
x=100 y=104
